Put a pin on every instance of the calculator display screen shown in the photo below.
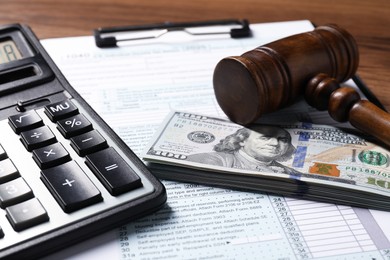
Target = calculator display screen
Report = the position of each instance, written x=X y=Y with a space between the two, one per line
x=9 y=51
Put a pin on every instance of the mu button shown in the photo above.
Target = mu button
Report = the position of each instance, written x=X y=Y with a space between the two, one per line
x=60 y=110
x=113 y=171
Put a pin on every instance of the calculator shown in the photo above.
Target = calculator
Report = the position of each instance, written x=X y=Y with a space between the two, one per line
x=64 y=173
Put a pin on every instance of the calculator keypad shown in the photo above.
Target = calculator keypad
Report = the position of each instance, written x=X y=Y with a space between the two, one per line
x=3 y=154
x=70 y=186
x=74 y=125
x=61 y=110
x=115 y=174
x=51 y=155
x=26 y=214
x=87 y=143
x=13 y=192
x=25 y=121
x=7 y=171
x=37 y=137
x=59 y=160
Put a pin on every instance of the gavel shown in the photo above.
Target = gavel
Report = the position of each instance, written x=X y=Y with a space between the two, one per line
x=312 y=64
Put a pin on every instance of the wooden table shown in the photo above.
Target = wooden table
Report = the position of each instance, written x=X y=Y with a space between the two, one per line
x=367 y=21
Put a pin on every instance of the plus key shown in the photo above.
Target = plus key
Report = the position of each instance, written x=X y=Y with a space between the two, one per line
x=70 y=186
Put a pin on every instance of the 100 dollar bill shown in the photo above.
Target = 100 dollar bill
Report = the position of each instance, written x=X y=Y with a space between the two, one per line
x=315 y=154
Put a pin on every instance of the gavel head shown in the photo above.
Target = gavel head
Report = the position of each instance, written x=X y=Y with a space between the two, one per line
x=272 y=76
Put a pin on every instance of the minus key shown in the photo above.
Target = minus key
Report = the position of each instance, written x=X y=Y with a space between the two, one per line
x=87 y=143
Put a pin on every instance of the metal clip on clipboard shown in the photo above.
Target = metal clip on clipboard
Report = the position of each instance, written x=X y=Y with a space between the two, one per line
x=111 y=40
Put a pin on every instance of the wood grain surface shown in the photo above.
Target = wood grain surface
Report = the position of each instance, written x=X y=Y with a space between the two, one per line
x=367 y=21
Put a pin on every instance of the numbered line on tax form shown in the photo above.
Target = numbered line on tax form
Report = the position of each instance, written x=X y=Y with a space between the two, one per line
x=255 y=239
x=325 y=230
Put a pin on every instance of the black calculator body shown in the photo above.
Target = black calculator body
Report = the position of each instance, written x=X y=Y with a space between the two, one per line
x=64 y=174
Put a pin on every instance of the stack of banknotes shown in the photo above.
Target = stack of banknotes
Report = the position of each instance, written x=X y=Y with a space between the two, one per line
x=301 y=160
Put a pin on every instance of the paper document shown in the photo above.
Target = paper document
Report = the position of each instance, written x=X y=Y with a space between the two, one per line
x=133 y=88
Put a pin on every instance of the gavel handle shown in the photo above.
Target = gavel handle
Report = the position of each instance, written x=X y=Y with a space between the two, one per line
x=368 y=118
x=344 y=104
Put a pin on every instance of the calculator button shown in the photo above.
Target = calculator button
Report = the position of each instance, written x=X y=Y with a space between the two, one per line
x=51 y=155
x=26 y=214
x=37 y=138
x=115 y=174
x=3 y=153
x=25 y=121
x=70 y=186
x=89 y=142
x=74 y=125
x=61 y=110
x=13 y=192
x=8 y=171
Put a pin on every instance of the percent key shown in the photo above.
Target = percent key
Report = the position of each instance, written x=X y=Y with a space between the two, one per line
x=74 y=125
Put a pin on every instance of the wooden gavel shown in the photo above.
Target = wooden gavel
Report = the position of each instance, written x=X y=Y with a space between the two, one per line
x=272 y=76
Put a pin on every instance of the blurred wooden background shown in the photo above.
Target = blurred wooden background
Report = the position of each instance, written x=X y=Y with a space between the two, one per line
x=367 y=21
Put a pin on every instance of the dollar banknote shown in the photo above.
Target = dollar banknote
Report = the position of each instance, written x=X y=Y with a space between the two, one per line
x=301 y=159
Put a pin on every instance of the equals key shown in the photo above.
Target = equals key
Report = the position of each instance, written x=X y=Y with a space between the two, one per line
x=113 y=171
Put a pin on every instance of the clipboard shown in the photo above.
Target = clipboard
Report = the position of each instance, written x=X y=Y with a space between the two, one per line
x=161 y=29
x=107 y=37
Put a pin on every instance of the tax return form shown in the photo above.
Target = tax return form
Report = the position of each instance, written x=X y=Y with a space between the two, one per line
x=133 y=88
